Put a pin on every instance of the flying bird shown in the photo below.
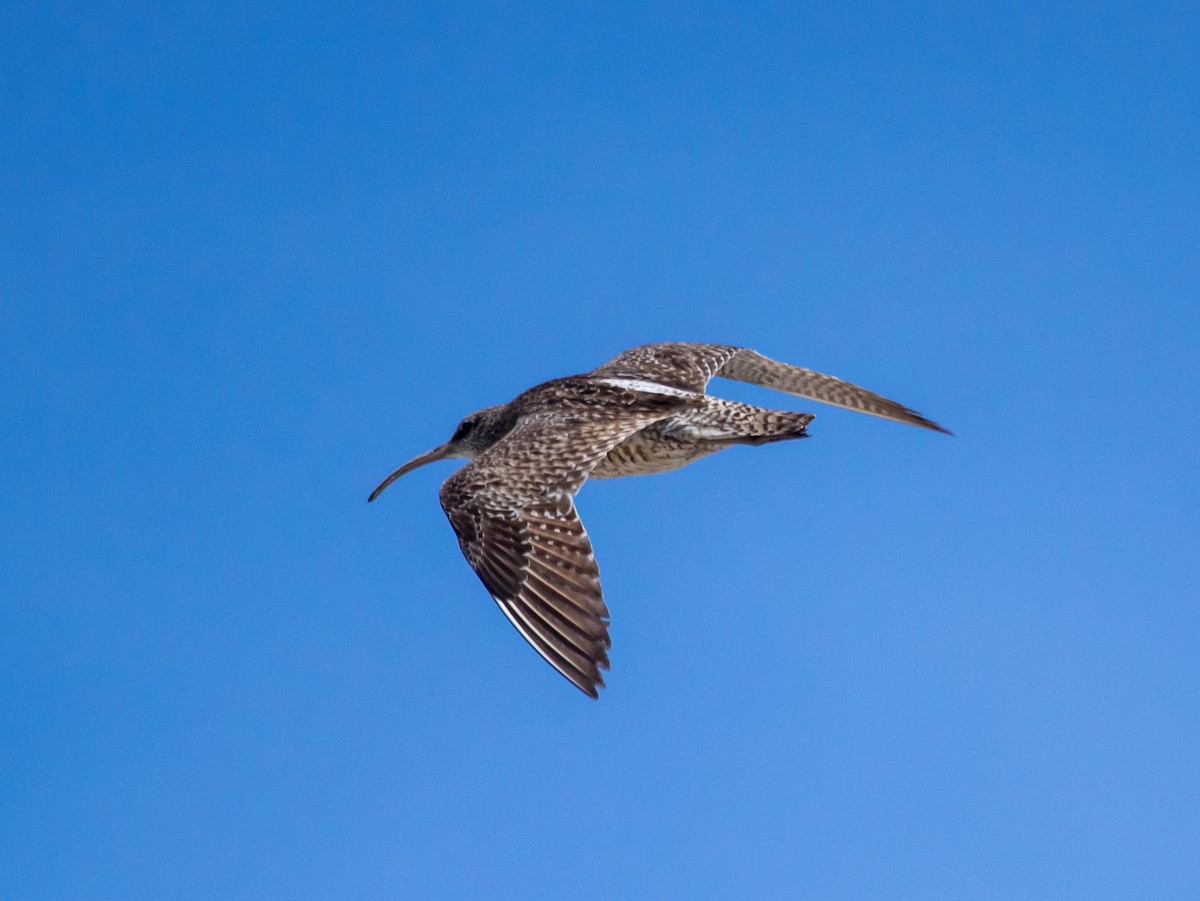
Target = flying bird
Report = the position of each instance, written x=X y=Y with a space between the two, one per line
x=645 y=411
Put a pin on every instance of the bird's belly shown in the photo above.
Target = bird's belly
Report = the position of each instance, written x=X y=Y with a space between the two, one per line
x=648 y=452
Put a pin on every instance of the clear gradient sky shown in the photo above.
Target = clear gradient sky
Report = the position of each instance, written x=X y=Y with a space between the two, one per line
x=252 y=258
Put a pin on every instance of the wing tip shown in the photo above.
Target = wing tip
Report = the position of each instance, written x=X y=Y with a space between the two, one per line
x=934 y=427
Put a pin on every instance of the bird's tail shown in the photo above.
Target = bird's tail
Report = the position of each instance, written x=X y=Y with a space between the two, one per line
x=724 y=422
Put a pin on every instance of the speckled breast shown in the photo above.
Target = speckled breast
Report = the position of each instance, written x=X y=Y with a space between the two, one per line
x=647 y=452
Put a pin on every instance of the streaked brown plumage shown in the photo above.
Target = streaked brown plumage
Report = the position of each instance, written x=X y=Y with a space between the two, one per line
x=644 y=411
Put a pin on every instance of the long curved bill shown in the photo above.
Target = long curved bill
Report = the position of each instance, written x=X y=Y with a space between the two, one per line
x=438 y=453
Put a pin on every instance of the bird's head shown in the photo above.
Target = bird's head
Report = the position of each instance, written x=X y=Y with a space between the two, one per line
x=479 y=431
x=471 y=437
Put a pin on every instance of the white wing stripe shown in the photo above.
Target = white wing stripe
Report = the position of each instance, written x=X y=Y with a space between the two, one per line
x=647 y=387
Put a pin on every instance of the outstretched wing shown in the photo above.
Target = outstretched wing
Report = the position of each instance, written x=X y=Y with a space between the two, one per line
x=691 y=366
x=514 y=514
x=537 y=564
x=677 y=365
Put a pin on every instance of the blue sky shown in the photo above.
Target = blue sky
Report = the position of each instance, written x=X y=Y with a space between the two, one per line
x=252 y=259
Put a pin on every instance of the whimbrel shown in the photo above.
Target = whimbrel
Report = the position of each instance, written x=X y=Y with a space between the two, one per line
x=644 y=411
